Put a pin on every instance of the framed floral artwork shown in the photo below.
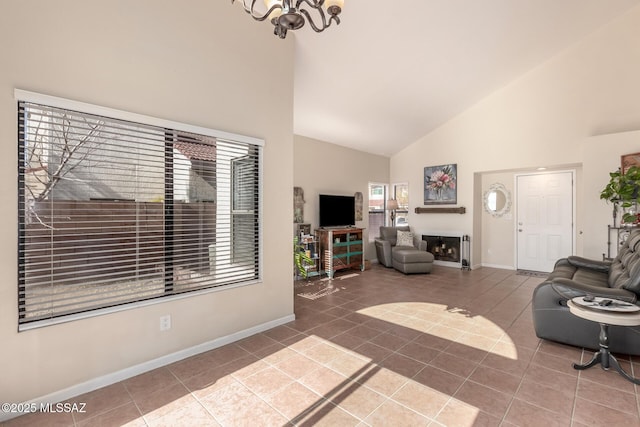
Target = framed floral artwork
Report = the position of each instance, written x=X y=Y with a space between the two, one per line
x=440 y=185
x=628 y=160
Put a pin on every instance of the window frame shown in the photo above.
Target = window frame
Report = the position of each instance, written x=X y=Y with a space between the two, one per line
x=404 y=211
x=373 y=232
x=57 y=102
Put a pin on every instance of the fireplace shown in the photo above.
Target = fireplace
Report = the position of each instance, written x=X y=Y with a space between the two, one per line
x=445 y=247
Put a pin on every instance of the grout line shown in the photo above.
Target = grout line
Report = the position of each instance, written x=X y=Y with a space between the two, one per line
x=353 y=297
x=513 y=396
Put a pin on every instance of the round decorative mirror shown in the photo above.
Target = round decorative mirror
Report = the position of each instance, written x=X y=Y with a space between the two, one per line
x=497 y=200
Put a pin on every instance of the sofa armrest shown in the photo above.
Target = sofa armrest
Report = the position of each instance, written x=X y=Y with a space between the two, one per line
x=383 y=252
x=580 y=262
x=421 y=244
x=568 y=289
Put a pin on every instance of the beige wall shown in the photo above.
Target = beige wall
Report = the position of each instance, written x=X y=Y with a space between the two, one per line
x=202 y=65
x=497 y=240
x=323 y=168
x=541 y=119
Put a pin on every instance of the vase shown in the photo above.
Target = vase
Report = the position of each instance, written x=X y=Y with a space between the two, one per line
x=630 y=215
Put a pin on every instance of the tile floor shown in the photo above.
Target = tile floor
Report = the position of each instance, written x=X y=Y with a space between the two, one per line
x=379 y=348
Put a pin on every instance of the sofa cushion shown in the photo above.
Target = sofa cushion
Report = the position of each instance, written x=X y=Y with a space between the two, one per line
x=413 y=267
x=633 y=284
x=405 y=238
x=591 y=264
x=591 y=277
x=409 y=254
x=562 y=269
x=390 y=233
x=625 y=268
x=593 y=273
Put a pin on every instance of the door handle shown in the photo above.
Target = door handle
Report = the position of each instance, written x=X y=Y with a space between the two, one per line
x=520 y=230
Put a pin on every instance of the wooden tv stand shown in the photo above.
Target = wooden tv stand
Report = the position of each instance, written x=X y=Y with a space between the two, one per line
x=340 y=248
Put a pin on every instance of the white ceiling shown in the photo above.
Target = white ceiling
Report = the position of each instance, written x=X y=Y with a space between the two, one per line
x=393 y=70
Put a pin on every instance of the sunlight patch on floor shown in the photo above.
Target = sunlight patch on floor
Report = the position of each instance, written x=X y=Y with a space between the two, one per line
x=453 y=324
x=353 y=377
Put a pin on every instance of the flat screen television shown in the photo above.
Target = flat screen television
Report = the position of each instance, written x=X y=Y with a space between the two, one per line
x=337 y=211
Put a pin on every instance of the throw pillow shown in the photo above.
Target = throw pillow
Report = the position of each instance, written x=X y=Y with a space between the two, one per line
x=405 y=238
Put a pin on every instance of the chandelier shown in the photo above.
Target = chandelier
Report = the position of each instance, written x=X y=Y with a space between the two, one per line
x=288 y=15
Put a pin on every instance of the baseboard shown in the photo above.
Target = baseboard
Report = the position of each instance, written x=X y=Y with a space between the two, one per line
x=141 y=368
x=502 y=267
x=448 y=264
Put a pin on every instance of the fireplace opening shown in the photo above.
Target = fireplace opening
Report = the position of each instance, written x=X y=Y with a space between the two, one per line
x=445 y=249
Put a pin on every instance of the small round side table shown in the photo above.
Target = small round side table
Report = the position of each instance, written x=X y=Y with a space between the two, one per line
x=606 y=312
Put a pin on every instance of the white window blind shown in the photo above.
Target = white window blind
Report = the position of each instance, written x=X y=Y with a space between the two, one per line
x=113 y=212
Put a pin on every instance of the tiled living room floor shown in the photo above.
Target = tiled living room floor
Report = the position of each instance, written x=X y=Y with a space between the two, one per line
x=380 y=348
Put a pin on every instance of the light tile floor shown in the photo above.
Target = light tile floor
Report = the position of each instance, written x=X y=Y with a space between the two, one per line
x=379 y=348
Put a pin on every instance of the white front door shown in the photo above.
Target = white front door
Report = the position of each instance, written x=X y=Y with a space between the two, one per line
x=544 y=219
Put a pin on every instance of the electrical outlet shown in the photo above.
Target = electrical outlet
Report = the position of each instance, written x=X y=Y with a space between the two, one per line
x=165 y=322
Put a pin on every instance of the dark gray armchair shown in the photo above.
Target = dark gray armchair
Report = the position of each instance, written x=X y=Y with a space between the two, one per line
x=404 y=258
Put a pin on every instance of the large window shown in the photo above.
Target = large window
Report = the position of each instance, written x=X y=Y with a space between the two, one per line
x=115 y=211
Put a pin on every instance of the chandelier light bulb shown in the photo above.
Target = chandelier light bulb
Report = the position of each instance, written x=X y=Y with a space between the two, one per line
x=277 y=12
x=331 y=6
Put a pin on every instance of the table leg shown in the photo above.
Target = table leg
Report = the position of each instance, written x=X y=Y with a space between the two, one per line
x=605 y=358
x=597 y=358
x=617 y=367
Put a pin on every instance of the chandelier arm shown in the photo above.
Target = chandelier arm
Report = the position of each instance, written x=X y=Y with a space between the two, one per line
x=315 y=4
x=250 y=10
x=325 y=24
x=313 y=25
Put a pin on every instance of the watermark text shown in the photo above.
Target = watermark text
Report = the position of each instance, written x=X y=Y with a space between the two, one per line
x=26 y=408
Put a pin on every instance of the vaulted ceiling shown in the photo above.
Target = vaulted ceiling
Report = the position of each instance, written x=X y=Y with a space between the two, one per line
x=393 y=71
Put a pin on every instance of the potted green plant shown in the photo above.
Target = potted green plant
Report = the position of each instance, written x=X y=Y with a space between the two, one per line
x=300 y=258
x=623 y=190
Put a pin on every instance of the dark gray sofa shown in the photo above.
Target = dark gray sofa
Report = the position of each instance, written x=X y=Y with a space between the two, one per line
x=407 y=259
x=576 y=276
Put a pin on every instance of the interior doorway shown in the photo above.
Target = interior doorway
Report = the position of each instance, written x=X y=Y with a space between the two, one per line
x=545 y=219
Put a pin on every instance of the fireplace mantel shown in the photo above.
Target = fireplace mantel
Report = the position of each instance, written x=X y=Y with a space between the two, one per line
x=459 y=210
